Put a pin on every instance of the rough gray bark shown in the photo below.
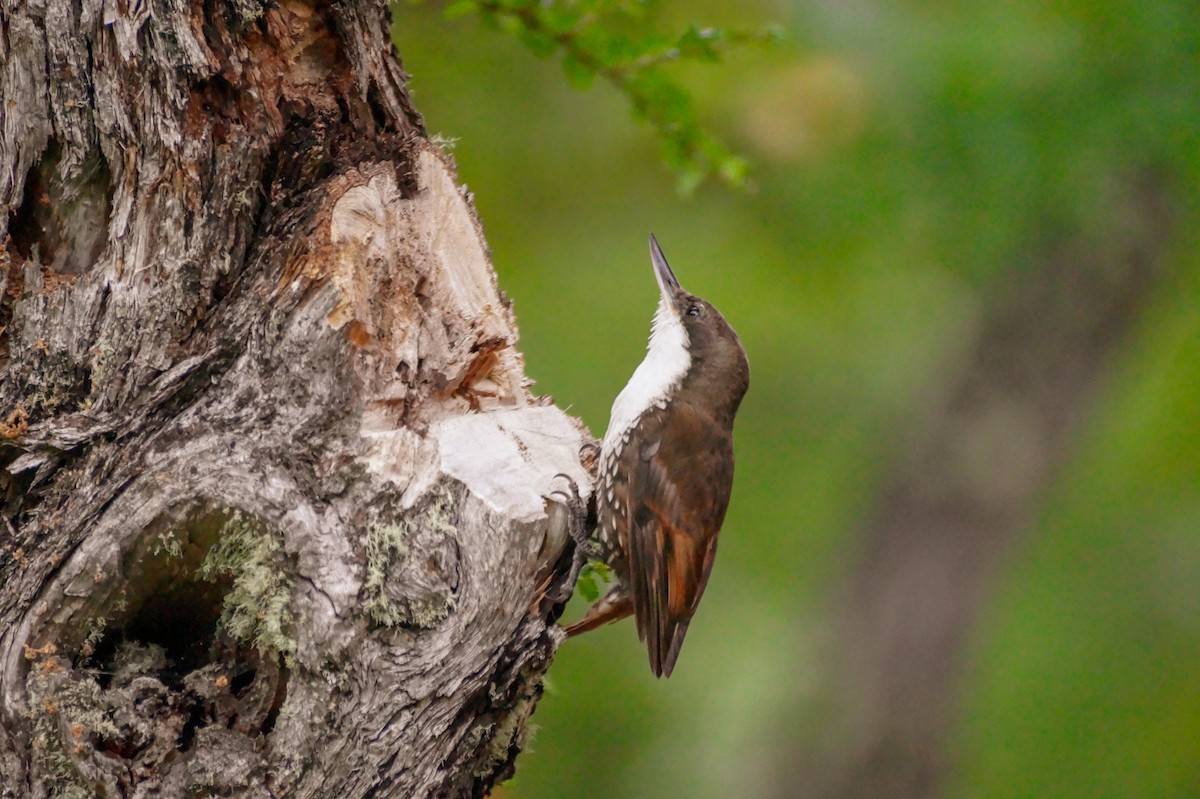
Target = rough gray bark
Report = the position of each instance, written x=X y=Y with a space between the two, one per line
x=274 y=520
x=965 y=491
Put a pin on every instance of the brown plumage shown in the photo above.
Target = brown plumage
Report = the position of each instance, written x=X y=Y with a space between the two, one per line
x=666 y=470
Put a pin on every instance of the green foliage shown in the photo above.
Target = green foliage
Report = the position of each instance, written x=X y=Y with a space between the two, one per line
x=592 y=577
x=595 y=39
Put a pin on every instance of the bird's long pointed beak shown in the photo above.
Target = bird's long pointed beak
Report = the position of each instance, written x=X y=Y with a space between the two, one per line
x=667 y=283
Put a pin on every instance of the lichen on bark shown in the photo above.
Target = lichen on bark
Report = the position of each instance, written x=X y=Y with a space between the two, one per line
x=411 y=579
x=256 y=611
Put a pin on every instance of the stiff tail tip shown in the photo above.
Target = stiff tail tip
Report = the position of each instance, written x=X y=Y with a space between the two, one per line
x=608 y=608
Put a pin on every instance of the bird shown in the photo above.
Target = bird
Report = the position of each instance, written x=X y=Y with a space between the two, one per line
x=666 y=470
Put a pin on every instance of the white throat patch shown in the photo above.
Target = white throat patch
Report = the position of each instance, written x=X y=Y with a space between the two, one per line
x=660 y=372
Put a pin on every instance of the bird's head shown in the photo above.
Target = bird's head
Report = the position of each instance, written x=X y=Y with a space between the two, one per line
x=707 y=335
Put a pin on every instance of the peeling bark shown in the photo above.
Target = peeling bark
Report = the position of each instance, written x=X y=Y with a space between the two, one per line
x=275 y=513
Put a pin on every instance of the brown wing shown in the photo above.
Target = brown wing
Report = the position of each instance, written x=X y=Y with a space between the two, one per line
x=681 y=476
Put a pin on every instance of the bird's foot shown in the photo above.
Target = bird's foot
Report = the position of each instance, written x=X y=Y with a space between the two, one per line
x=578 y=516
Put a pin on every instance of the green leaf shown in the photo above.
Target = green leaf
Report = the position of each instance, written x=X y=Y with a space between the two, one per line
x=489 y=17
x=700 y=44
x=586 y=585
x=559 y=18
x=626 y=52
x=579 y=74
x=540 y=43
x=688 y=178
x=592 y=578
x=661 y=100
x=734 y=169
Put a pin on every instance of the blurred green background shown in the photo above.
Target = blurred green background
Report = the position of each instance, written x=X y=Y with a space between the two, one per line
x=906 y=155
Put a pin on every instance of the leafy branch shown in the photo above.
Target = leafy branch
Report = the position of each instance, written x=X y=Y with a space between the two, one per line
x=594 y=39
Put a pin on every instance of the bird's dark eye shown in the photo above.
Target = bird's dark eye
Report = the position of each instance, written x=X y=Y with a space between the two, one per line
x=693 y=310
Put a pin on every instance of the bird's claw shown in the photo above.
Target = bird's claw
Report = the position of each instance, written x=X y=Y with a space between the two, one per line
x=578 y=514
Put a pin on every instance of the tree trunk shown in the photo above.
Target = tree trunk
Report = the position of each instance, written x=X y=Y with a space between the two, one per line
x=963 y=494
x=275 y=517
